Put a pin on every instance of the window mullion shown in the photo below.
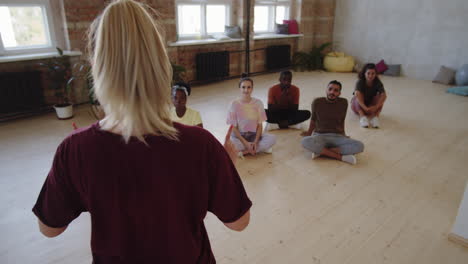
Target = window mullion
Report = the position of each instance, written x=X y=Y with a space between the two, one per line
x=48 y=29
x=228 y=16
x=2 y=48
x=203 y=21
x=272 y=18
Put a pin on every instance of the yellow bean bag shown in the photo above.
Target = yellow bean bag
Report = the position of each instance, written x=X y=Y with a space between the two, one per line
x=338 y=62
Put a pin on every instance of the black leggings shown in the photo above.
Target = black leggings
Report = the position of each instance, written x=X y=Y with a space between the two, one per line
x=285 y=118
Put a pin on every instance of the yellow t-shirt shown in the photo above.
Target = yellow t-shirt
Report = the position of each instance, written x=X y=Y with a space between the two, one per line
x=190 y=118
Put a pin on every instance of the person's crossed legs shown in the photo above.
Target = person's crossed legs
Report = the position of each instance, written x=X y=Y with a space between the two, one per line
x=332 y=145
x=286 y=118
x=365 y=117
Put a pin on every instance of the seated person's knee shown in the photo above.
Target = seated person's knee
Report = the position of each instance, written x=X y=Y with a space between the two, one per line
x=314 y=144
x=359 y=147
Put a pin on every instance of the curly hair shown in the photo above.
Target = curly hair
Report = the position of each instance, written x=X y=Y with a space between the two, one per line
x=368 y=66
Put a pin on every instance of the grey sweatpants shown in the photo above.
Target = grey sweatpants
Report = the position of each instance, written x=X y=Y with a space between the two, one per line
x=317 y=142
x=266 y=141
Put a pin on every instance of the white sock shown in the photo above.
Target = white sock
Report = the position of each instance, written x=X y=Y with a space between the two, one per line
x=314 y=156
x=271 y=126
x=297 y=126
x=351 y=159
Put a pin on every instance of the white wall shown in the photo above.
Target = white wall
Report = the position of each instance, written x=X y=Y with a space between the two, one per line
x=460 y=228
x=419 y=34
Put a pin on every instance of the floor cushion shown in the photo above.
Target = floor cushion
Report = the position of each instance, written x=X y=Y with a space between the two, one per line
x=458 y=90
x=338 y=62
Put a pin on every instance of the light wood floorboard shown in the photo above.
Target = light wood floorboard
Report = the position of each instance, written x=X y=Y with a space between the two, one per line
x=397 y=205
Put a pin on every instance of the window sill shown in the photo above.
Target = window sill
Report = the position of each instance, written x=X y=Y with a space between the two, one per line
x=36 y=56
x=201 y=42
x=276 y=36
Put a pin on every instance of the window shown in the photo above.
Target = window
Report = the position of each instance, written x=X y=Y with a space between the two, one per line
x=201 y=19
x=269 y=13
x=25 y=27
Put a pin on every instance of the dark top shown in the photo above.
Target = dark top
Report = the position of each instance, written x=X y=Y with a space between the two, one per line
x=329 y=117
x=147 y=203
x=275 y=93
x=369 y=92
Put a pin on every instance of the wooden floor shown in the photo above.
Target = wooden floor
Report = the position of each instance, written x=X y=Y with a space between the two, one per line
x=397 y=205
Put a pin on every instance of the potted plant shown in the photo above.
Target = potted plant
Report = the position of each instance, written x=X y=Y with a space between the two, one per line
x=58 y=76
x=178 y=72
x=312 y=60
x=81 y=70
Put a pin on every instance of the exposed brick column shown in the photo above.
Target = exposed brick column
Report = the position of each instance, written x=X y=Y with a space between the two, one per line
x=316 y=19
x=79 y=15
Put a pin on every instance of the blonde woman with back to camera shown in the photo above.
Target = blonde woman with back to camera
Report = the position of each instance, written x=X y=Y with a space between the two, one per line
x=125 y=169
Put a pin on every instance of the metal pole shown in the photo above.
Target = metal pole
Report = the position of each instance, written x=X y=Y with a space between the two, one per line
x=247 y=38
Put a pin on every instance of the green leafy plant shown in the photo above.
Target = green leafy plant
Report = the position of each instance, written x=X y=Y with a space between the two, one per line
x=312 y=60
x=178 y=72
x=58 y=76
x=81 y=70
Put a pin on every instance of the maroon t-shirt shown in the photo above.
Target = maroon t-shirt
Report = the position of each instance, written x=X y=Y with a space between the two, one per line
x=147 y=202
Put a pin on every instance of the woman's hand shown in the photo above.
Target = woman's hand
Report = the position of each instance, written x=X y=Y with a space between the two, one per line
x=372 y=109
x=229 y=146
x=249 y=147
x=254 y=147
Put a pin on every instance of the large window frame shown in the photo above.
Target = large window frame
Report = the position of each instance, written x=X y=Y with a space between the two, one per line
x=203 y=23
x=272 y=6
x=48 y=23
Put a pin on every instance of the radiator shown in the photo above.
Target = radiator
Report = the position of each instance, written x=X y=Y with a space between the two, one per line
x=20 y=91
x=278 y=57
x=212 y=65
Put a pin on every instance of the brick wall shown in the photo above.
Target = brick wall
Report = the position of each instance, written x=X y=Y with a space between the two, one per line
x=315 y=18
x=79 y=15
x=78 y=95
x=185 y=56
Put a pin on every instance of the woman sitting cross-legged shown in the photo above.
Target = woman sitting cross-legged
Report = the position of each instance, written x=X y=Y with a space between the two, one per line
x=181 y=113
x=246 y=115
x=369 y=97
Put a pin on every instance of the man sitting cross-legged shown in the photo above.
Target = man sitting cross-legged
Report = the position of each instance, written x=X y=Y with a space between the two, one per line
x=283 y=105
x=326 y=135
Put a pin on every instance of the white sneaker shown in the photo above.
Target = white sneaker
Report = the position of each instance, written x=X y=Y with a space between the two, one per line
x=271 y=126
x=269 y=151
x=374 y=122
x=240 y=155
x=314 y=156
x=351 y=159
x=364 y=122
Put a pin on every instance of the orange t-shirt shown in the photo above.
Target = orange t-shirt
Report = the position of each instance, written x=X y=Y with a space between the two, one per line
x=274 y=95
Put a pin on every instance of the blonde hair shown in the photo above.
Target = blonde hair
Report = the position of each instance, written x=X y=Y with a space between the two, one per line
x=131 y=71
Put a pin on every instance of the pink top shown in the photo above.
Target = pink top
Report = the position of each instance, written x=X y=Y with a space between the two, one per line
x=246 y=115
